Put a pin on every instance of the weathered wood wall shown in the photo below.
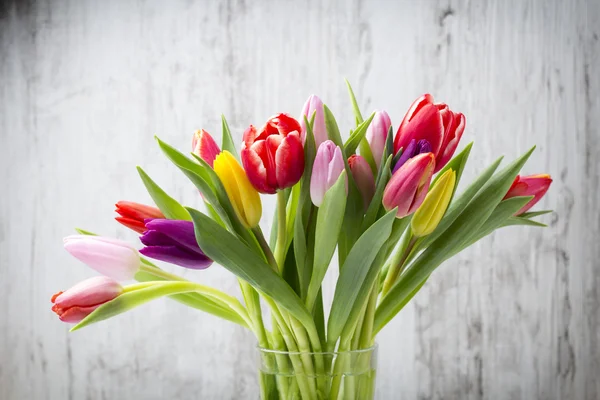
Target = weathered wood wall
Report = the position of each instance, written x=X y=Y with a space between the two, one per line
x=84 y=86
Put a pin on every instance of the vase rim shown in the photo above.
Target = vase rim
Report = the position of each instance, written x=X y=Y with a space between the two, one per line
x=283 y=352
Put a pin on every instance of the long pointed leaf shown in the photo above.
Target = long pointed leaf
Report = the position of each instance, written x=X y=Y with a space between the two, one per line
x=353 y=273
x=355 y=108
x=227 y=250
x=329 y=222
x=165 y=203
x=227 y=140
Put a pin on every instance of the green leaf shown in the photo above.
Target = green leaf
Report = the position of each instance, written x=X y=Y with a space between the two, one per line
x=389 y=147
x=355 y=108
x=168 y=205
x=333 y=132
x=357 y=136
x=140 y=294
x=532 y=214
x=354 y=271
x=457 y=164
x=227 y=140
x=398 y=228
x=523 y=221
x=207 y=182
x=375 y=206
x=227 y=250
x=196 y=300
x=455 y=237
x=499 y=216
x=459 y=204
x=84 y=232
x=365 y=151
x=329 y=222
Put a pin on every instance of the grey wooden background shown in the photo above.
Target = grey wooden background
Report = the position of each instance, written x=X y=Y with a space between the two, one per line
x=84 y=86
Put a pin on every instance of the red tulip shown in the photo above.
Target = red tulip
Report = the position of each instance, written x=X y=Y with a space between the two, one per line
x=409 y=185
x=533 y=185
x=274 y=156
x=436 y=124
x=134 y=214
x=205 y=147
x=78 y=302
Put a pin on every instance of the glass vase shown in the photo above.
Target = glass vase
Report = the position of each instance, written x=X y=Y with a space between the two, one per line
x=343 y=375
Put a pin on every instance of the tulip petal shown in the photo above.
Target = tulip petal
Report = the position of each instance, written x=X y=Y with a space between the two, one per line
x=256 y=171
x=289 y=159
x=377 y=134
x=452 y=137
x=90 y=292
x=104 y=255
x=180 y=233
x=133 y=224
x=177 y=255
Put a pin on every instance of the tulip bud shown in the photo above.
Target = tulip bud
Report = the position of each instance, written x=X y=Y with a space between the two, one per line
x=273 y=157
x=430 y=213
x=314 y=105
x=205 y=147
x=329 y=164
x=436 y=124
x=111 y=257
x=173 y=241
x=408 y=186
x=363 y=176
x=76 y=303
x=532 y=185
x=413 y=148
x=243 y=196
x=377 y=133
x=132 y=215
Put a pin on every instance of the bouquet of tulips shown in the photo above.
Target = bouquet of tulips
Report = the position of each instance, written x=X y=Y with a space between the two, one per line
x=388 y=204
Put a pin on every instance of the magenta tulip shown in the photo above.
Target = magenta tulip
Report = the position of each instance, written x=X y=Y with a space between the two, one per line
x=314 y=105
x=377 y=133
x=329 y=164
x=409 y=185
x=532 y=185
x=436 y=123
x=111 y=257
x=78 y=302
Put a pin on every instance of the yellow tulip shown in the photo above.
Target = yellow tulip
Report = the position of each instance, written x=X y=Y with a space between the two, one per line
x=429 y=215
x=244 y=198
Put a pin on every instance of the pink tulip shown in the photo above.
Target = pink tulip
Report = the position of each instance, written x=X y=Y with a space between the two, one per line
x=441 y=127
x=314 y=104
x=329 y=164
x=111 y=257
x=205 y=147
x=409 y=185
x=78 y=302
x=532 y=185
x=363 y=176
x=377 y=133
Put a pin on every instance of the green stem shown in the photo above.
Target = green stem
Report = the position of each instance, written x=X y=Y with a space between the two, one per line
x=297 y=363
x=281 y=246
x=397 y=262
x=260 y=237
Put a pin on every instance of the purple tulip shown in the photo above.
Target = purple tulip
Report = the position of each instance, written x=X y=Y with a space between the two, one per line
x=174 y=242
x=414 y=148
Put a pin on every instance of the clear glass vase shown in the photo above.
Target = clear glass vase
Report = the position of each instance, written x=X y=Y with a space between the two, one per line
x=347 y=375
